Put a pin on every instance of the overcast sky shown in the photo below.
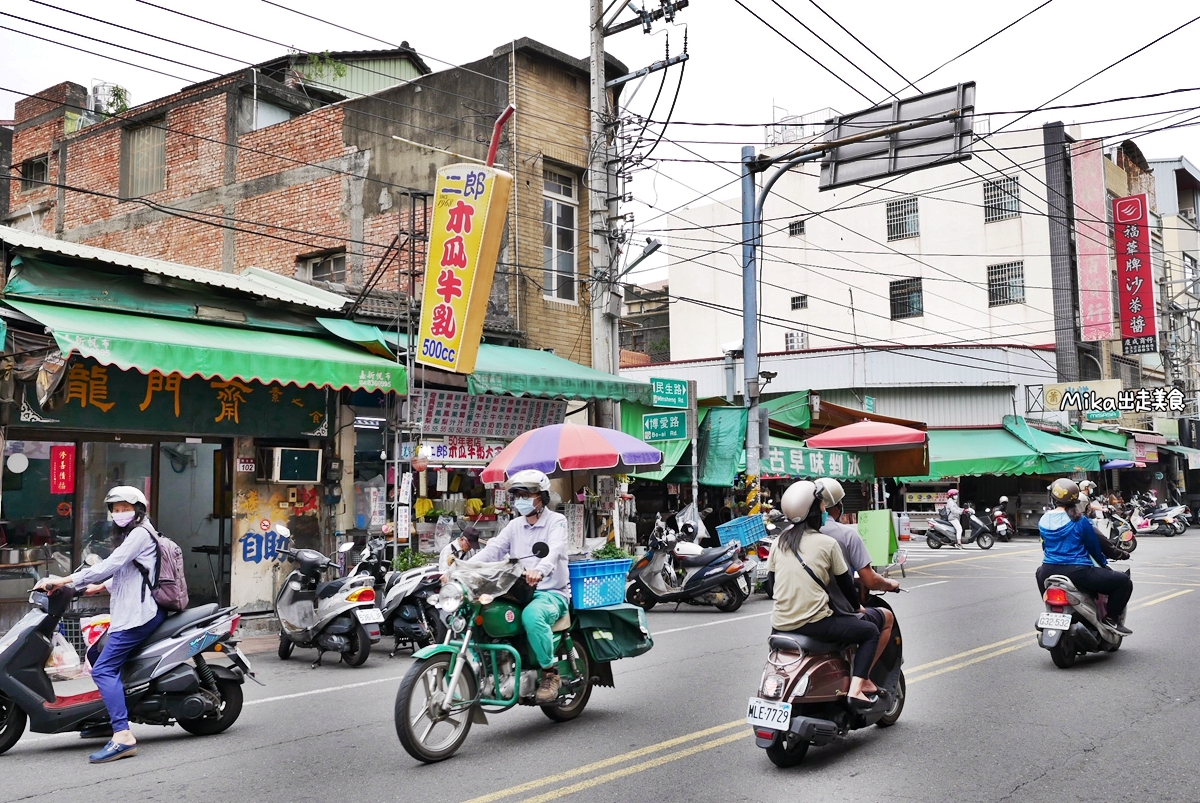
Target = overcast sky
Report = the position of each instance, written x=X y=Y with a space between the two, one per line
x=739 y=71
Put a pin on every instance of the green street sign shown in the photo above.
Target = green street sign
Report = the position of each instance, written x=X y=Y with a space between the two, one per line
x=671 y=393
x=664 y=427
x=869 y=404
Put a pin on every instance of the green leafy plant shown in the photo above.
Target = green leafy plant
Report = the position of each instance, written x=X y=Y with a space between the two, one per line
x=118 y=100
x=611 y=551
x=408 y=559
x=319 y=65
x=432 y=516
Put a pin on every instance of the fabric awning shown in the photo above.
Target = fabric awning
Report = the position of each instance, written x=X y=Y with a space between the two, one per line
x=169 y=346
x=1110 y=444
x=1060 y=455
x=362 y=334
x=792 y=410
x=974 y=452
x=530 y=372
x=789 y=458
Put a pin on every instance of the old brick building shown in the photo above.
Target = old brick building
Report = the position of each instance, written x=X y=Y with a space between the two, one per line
x=313 y=170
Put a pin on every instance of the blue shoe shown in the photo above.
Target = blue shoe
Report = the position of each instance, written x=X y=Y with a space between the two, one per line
x=113 y=751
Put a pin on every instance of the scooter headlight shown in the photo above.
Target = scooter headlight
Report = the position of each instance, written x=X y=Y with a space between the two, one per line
x=450 y=598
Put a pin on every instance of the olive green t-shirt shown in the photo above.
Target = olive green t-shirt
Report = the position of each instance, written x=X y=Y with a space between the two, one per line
x=799 y=599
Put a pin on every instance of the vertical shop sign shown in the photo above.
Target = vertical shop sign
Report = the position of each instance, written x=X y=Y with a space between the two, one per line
x=470 y=204
x=62 y=469
x=1135 y=277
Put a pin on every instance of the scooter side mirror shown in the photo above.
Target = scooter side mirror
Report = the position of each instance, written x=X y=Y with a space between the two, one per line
x=346 y=547
x=901 y=557
x=541 y=549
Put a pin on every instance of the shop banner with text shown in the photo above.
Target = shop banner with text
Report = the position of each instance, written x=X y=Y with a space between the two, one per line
x=802 y=462
x=1135 y=277
x=1091 y=240
x=470 y=204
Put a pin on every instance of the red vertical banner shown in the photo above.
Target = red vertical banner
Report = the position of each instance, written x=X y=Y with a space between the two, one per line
x=62 y=469
x=1135 y=276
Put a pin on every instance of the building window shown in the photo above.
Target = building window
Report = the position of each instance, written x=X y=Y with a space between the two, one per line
x=560 y=213
x=795 y=340
x=1006 y=284
x=796 y=228
x=1127 y=370
x=144 y=160
x=637 y=342
x=902 y=222
x=799 y=302
x=35 y=172
x=1001 y=199
x=327 y=268
x=1191 y=274
x=906 y=299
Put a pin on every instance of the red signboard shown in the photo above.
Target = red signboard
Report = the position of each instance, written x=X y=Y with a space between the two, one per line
x=62 y=469
x=1135 y=278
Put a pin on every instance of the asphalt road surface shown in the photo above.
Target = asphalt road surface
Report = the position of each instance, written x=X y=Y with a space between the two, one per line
x=988 y=716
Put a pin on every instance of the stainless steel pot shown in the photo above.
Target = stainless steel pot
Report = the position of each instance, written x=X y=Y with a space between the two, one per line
x=10 y=556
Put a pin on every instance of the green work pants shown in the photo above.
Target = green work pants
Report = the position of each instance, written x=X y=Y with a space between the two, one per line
x=539 y=616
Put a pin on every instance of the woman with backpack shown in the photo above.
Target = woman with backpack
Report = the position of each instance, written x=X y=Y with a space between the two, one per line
x=135 y=614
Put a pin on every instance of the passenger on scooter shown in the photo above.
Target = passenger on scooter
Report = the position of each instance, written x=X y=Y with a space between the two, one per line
x=530 y=494
x=1070 y=545
x=135 y=614
x=802 y=563
x=954 y=514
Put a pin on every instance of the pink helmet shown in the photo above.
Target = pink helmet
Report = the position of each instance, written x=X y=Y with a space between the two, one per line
x=952 y=492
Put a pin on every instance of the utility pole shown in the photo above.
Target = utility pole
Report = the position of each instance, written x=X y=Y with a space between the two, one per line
x=601 y=207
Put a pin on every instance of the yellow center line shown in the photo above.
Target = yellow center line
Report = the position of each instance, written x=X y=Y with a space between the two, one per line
x=1164 y=599
x=922 y=567
x=975 y=660
x=961 y=655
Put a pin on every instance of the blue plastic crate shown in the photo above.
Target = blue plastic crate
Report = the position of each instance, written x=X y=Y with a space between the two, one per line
x=746 y=530
x=596 y=583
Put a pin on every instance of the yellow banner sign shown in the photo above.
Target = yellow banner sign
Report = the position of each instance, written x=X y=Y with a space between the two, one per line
x=470 y=206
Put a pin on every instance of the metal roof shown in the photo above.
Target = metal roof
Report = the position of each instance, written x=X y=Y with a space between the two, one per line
x=253 y=281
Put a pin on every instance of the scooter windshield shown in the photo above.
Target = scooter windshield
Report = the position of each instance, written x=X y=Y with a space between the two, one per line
x=487 y=578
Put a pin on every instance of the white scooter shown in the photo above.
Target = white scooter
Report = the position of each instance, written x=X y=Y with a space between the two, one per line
x=335 y=616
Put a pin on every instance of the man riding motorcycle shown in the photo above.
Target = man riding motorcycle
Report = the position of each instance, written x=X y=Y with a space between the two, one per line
x=1070 y=545
x=530 y=494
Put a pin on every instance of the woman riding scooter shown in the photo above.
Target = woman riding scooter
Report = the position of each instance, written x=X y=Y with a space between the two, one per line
x=802 y=563
x=135 y=614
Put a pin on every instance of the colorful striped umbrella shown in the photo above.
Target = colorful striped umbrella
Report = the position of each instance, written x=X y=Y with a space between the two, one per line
x=563 y=448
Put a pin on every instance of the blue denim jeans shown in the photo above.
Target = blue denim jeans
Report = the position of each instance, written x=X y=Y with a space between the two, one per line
x=107 y=672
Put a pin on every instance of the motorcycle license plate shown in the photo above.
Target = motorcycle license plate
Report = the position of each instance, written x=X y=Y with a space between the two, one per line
x=769 y=714
x=1054 y=621
x=760 y=571
x=369 y=615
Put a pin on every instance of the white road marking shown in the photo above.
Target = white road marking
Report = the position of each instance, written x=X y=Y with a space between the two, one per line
x=710 y=624
x=923 y=585
x=324 y=690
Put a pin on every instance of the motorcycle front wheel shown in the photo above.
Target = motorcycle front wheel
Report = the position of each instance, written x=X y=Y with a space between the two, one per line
x=570 y=706
x=985 y=541
x=12 y=723
x=286 y=645
x=789 y=751
x=426 y=733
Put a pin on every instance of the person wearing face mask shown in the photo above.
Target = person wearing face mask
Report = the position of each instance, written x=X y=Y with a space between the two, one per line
x=135 y=615
x=530 y=494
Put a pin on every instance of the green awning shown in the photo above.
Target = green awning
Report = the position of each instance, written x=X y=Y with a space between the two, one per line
x=1060 y=455
x=365 y=335
x=722 y=446
x=790 y=458
x=673 y=451
x=1110 y=444
x=792 y=410
x=975 y=452
x=158 y=344
x=530 y=372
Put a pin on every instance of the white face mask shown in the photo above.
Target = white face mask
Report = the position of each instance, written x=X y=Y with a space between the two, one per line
x=523 y=505
x=123 y=518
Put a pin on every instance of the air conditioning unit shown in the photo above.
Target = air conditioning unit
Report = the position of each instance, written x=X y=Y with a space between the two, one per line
x=1188 y=213
x=289 y=466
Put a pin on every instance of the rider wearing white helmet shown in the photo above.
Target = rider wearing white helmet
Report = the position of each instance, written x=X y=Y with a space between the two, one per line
x=530 y=494
x=802 y=564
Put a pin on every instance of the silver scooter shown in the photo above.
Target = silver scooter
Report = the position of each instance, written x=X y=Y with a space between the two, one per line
x=1072 y=624
x=335 y=616
x=715 y=576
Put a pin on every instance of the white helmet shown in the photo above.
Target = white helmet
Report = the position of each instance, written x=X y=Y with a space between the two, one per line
x=798 y=500
x=530 y=480
x=1086 y=486
x=127 y=494
x=830 y=491
x=1004 y=499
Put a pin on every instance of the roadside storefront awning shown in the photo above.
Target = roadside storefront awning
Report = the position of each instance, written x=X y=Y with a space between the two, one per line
x=1060 y=455
x=170 y=346
x=791 y=410
x=1110 y=444
x=361 y=334
x=975 y=452
x=1192 y=456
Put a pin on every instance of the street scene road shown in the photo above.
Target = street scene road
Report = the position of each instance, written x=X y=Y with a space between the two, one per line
x=988 y=716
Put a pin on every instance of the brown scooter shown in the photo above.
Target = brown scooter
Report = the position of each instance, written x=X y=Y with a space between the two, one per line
x=803 y=695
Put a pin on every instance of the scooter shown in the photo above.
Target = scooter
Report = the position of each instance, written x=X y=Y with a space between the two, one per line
x=1002 y=528
x=373 y=562
x=335 y=616
x=715 y=576
x=941 y=531
x=1116 y=529
x=1072 y=624
x=410 y=612
x=167 y=681
x=803 y=694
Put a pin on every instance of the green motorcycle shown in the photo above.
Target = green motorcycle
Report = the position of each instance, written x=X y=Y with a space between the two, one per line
x=486 y=666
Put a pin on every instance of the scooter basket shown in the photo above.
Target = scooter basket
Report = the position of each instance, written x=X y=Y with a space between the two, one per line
x=746 y=530
x=595 y=583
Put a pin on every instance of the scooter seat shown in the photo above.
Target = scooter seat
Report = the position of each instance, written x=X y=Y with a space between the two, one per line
x=327 y=590
x=176 y=623
x=704 y=558
x=561 y=624
x=795 y=642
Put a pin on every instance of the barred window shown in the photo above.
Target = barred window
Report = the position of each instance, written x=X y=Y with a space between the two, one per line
x=1127 y=370
x=902 y=221
x=35 y=172
x=144 y=160
x=795 y=340
x=1001 y=199
x=799 y=302
x=906 y=298
x=796 y=228
x=1006 y=284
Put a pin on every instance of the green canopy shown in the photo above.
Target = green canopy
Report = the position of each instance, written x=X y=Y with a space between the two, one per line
x=722 y=446
x=673 y=451
x=169 y=346
x=1110 y=444
x=365 y=335
x=973 y=452
x=1059 y=455
x=792 y=410
x=530 y=372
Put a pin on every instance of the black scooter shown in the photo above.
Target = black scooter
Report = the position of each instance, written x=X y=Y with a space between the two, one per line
x=167 y=682
x=681 y=572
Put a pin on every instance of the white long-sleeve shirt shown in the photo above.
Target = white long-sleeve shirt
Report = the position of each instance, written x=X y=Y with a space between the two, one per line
x=131 y=603
x=517 y=540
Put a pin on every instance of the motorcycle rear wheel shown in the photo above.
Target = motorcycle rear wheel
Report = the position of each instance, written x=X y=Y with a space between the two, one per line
x=1113 y=646
x=1131 y=545
x=1180 y=527
x=637 y=594
x=789 y=751
x=12 y=723
x=736 y=597
x=932 y=542
x=360 y=647
x=422 y=688
x=220 y=720
x=892 y=715
x=1063 y=653
x=985 y=541
x=572 y=705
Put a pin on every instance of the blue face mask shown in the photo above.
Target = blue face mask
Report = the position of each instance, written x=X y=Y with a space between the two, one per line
x=824 y=518
x=523 y=505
